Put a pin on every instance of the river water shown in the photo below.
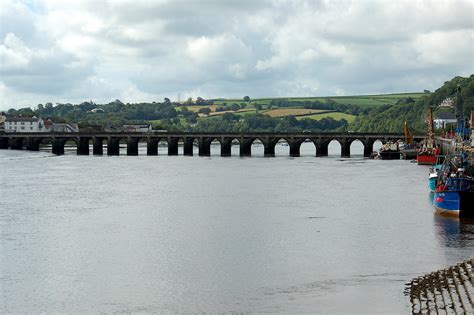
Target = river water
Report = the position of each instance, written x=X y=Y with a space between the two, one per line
x=209 y=234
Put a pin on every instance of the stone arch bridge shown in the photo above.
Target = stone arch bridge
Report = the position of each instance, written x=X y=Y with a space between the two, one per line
x=33 y=141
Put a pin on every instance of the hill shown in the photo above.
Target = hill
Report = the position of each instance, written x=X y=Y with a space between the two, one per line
x=390 y=118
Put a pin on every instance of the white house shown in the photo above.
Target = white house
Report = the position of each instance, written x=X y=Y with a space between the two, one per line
x=443 y=119
x=25 y=124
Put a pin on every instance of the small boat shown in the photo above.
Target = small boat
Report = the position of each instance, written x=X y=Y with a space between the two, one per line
x=428 y=153
x=390 y=151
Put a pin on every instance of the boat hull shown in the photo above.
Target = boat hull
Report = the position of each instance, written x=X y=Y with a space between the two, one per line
x=432 y=183
x=390 y=155
x=426 y=159
x=454 y=203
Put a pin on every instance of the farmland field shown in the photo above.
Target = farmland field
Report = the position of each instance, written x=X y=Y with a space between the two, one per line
x=362 y=100
x=334 y=115
x=282 y=112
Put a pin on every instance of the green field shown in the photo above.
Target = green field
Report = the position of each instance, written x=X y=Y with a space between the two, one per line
x=361 y=100
x=334 y=115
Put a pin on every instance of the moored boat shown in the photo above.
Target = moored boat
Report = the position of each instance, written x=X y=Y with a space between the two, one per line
x=427 y=155
x=389 y=151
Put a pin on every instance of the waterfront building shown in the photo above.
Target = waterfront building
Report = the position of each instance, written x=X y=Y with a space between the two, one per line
x=25 y=124
x=443 y=119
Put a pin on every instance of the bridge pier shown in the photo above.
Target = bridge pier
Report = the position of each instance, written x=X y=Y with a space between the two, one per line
x=33 y=144
x=322 y=148
x=294 y=148
x=16 y=143
x=83 y=146
x=368 y=147
x=152 y=146
x=97 y=146
x=113 y=146
x=58 y=146
x=246 y=147
x=269 y=150
x=173 y=146
x=345 y=149
x=205 y=146
x=132 y=146
x=226 y=147
x=4 y=143
x=188 y=146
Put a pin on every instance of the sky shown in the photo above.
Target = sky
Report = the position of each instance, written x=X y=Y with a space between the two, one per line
x=62 y=51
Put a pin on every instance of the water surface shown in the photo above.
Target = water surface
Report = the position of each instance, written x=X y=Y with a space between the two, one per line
x=211 y=234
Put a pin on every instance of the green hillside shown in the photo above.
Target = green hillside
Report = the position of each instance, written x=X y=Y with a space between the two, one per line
x=390 y=118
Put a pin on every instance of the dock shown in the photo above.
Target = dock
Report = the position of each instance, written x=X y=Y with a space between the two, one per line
x=446 y=291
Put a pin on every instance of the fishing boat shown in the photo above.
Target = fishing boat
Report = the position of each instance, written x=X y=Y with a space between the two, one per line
x=454 y=193
x=434 y=171
x=428 y=153
x=389 y=151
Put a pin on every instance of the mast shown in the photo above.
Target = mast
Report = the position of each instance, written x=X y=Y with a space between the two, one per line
x=461 y=123
x=408 y=134
x=430 y=139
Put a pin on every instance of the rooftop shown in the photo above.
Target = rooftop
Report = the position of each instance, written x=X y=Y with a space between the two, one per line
x=33 y=119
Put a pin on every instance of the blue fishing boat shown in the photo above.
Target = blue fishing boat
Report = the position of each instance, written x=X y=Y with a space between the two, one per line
x=455 y=198
x=433 y=178
x=454 y=193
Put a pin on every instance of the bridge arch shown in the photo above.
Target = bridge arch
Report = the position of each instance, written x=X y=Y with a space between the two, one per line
x=357 y=147
x=255 y=144
x=334 y=147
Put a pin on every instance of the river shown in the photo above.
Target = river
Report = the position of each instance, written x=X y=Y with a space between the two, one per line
x=209 y=234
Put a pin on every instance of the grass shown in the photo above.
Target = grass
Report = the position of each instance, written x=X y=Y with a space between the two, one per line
x=283 y=112
x=334 y=115
x=362 y=100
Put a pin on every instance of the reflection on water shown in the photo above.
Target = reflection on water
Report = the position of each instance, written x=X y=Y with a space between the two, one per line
x=454 y=232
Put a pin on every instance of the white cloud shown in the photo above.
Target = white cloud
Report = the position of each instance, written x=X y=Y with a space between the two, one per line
x=60 y=51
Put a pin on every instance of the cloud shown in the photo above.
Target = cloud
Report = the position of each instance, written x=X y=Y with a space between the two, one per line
x=71 y=51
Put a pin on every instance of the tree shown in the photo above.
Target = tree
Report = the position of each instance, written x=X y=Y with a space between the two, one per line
x=235 y=107
x=167 y=101
x=246 y=99
x=205 y=111
x=189 y=101
x=200 y=101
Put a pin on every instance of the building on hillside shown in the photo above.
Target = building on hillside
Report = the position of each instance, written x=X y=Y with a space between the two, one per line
x=25 y=124
x=137 y=128
x=447 y=102
x=63 y=127
x=443 y=119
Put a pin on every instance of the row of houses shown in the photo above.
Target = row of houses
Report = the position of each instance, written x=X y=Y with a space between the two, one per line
x=36 y=124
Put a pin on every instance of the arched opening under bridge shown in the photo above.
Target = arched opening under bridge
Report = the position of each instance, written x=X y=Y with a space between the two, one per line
x=282 y=148
x=308 y=148
x=216 y=147
x=334 y=148
x=257 y=148
x=163 y=147
x=357 y=148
